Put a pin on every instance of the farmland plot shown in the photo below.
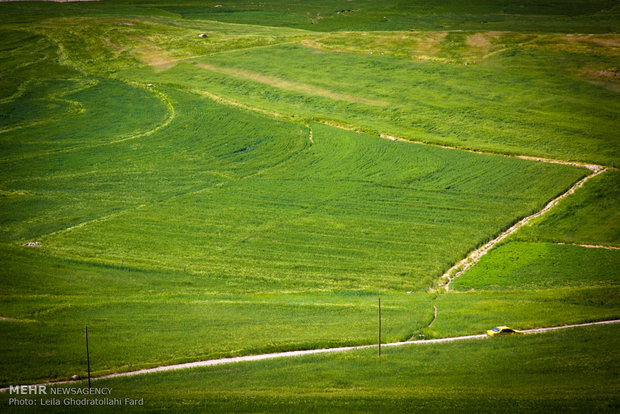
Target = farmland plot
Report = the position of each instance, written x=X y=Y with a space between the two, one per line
x=228 y=202
x=214 y=213
x=566 y=261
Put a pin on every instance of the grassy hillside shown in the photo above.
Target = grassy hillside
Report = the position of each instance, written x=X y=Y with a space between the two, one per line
x=590 y=217
x=257 y=227
x=539 y=275
x=513 y=373
x=201 y=197
x=440 y=86
x=325 y=15
x=145 y=317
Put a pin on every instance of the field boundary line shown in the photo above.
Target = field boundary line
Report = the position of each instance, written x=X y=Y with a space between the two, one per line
x=473 y=257
x=231 y=102
x=434 y=317
x=591 y=167
x=589 y=246
x=277 y=115
x=289 y=354
x=167 y=120
x=58 y=97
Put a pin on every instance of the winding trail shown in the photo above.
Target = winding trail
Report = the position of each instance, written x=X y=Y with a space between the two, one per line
x=289 y=354
x=434 y=317
x=472 y=258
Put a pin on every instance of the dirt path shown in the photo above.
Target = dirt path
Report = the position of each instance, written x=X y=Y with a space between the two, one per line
x=589 y=246
x=473 y=257
x=434 y=316
x=224 y=361
x=5 y=319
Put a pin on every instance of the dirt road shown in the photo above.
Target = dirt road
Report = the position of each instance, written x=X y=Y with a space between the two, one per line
x=223 y=361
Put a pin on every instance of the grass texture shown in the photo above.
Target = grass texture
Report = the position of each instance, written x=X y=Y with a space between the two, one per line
x=482 y=375
x=245 y=202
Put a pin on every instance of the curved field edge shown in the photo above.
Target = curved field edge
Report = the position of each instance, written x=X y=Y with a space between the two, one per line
x=590 y=217
x=539 y=263
x=292 y=203
x=474 y=256
x=194 y=286
x=512 y=121
x=200 y=188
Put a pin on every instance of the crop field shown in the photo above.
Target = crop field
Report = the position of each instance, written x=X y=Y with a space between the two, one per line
x=257 y=188
x=473 y=376
x=553 y=263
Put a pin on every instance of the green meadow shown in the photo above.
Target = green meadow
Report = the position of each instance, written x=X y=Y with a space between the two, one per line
x=258 y=189
x=509 y=374
x=545 y=269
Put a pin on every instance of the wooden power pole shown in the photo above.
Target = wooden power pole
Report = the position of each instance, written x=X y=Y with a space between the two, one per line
x=379 y=326
x=87 y=356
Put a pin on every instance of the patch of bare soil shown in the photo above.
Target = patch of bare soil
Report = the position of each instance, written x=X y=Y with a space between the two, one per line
x=478 y=40
x=604 y=78
x=428 y=45
x=156 y=58
x=286 y=84
x=607 y=40
x=607 y=74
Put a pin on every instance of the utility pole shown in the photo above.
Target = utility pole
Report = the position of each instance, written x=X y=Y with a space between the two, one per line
x=87 y=357
x=379 y=326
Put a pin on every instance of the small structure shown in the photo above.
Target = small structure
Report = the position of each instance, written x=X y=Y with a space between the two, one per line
x=202 y=35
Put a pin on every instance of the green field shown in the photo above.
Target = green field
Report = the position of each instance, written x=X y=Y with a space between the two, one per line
x=242 y=193
x=590 y=217
x=539 y=275
x=472 y=376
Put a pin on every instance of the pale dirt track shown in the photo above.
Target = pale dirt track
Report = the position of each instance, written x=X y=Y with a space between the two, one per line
x=474 y=256
x=249 y=358
x=589 y=246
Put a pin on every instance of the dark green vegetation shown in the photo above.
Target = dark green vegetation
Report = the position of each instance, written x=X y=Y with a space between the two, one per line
x=245 y=203
x=361 y=15
x=512 y=373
